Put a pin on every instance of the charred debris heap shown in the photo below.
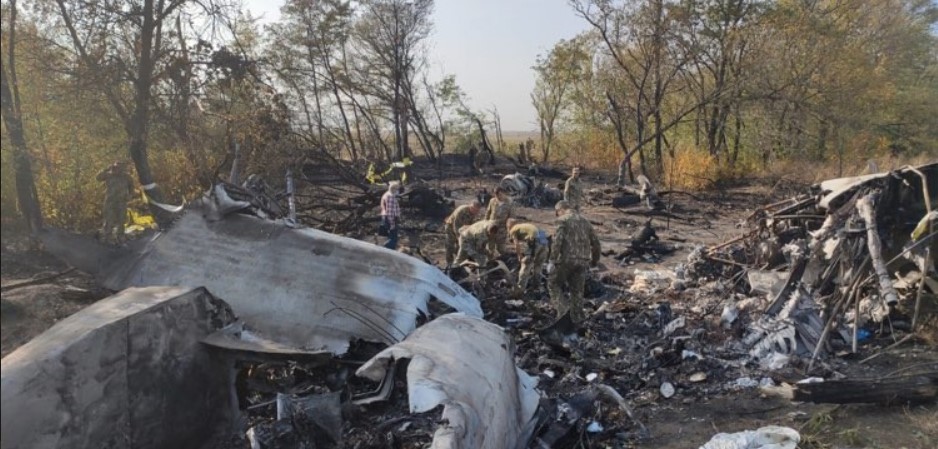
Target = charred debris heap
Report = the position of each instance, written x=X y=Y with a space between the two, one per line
x=315 y=340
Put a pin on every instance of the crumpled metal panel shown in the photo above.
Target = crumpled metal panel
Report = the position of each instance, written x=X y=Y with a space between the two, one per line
x=303 y=287
x=834 y=189
x=126 y=372
x=467 y=365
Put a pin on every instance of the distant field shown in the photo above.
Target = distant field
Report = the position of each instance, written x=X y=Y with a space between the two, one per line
x=520 y=135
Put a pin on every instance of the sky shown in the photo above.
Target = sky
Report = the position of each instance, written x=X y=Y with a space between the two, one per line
x=490 y=45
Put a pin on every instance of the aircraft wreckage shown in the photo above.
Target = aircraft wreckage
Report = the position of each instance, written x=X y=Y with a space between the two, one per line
x=162 y=362
x=226 y=313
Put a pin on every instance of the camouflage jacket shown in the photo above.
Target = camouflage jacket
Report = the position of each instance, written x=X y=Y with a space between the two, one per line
x=573 y=192
x=528 y=234
x=574 y=241
x=120 y=187
x=475 y=238
x=460 y=217
x=498 y=211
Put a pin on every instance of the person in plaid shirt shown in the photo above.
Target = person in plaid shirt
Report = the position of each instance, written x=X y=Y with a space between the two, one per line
x=391 y=213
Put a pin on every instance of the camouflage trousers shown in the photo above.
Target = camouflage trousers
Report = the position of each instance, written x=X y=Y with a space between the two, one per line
x=468 y=252
x=569 y=276
x=115 y=216
x=452 y=246
x=531 y=263
x=501 y=238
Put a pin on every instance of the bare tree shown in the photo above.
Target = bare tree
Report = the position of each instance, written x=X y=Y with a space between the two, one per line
x=636 y=38
x=390 y=34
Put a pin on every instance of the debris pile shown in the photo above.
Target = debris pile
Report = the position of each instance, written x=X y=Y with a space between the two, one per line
x=462 y=390
x=644 y=244
x=835 y=264
x=338 y=343
x=528 y=191
x=756 y=312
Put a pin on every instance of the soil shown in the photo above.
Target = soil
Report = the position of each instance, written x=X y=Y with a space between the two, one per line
x=688 y=419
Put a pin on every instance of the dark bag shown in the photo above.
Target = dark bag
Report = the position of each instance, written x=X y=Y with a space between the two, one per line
x=384 y=228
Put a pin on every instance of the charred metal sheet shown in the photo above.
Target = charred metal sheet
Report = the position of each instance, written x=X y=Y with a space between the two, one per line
x=467 y=365
x=300 y=287
x=235 y=339
x=126 y=372
x=835 y=189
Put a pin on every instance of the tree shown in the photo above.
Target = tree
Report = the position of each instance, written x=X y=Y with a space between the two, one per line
x=389 y=38
x=26 y=195
x=719 y=36
x=556 y=74
x=636 y=38
x=124 y=49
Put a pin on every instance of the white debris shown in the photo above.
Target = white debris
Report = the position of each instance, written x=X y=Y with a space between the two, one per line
x=594 y=427
x=674 y=325
x=686 y=354
x=651 y=280
x=743 y=383
x=811 y=380
x=766 y=282
x=698 y=377
x=667 y=390
x=769 y=437
x=591 y=377
x=729 y=315
x=774 y=361
x=549 y=373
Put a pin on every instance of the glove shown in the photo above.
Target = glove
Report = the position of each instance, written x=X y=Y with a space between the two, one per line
x=550 y=267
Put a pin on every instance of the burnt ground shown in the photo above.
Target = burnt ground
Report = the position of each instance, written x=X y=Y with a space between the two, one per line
x=689 y=418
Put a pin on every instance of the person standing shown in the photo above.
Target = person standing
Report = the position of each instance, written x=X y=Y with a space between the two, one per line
x=531 y=246
x=119 y=188
x=573 y=191
x=463 y=215
x=575 y=248
x=499 y=211
x=391 y=213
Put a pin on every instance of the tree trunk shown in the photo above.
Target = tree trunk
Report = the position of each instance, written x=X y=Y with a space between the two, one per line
x=736 y=137
x=545 y=144
x=27 y=197
x=138 y=126
x=917 y=388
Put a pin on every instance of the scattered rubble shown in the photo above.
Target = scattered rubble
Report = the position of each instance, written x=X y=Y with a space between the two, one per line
x=801 y=288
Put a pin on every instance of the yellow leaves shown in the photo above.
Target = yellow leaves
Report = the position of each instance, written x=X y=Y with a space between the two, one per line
x=691 y=169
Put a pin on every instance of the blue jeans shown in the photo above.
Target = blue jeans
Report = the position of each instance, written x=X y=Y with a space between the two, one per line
x=392 y=235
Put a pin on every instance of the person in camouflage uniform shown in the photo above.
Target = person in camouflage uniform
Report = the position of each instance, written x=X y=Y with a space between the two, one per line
x=531 y=246
x=499 y=210
x=572 y=191
x=574 y=249
x=120 y=187
x=463 y=215
x=475 y=242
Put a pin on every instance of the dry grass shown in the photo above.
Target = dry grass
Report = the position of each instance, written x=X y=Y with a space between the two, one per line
x=810 y=171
